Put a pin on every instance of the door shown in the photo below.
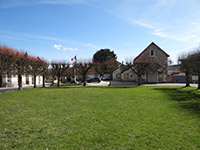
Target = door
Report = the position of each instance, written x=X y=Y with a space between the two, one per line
x=152 y=77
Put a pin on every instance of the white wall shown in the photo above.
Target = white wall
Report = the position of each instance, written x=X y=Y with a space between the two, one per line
x=130 y=74
x=118 y=71
x=14 y=80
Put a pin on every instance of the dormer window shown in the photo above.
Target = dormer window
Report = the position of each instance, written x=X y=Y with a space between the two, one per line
x=152 y=53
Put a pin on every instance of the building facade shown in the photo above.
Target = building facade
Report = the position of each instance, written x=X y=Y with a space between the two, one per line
x=12 y=80
x=156 y=71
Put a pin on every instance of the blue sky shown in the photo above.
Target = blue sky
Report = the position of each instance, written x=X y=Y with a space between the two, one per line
x=61 y=29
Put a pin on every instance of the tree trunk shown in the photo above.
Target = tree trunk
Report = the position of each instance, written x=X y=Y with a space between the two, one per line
x=43 y=81
x=53 y=80
x=198 y=81
x=34 y=78
x=58 y=83
x=147 y=78
x=187 y=75
x=110 y=80
x=84 y=82
x=139 y=80
x=1 y=81
x=20 y=82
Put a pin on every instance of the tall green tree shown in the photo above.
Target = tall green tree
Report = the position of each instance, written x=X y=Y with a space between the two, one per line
x=103 y=55
x=103 y=59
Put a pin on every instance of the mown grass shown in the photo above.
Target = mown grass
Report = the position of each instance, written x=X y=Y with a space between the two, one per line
x=66 y=84
x=100 y=118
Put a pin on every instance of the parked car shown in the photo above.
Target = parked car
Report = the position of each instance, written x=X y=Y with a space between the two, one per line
x=105 y=78
x=93 y=79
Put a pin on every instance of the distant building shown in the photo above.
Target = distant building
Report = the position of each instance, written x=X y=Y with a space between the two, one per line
x=156 y=70
x=175 y=75
x=12 y=80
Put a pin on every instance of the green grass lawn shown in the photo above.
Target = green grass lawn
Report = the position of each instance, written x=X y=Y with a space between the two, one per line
x=100 y=118
x=66 y=84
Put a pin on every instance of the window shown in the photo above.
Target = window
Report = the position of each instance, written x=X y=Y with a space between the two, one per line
x=126 y=75
x=195 y=78
x=118 y=75
x=9 y=78
x=152 y=53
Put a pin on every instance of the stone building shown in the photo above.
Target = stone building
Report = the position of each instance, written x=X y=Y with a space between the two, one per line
x=156 y=71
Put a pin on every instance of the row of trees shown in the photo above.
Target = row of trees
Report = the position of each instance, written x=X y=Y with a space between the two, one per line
x=190 y=64
x=13 y=62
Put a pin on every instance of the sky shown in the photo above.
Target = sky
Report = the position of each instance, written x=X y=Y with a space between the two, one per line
x=61 y=29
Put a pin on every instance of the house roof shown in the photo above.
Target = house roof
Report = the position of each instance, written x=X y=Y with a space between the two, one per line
x=13 y=52
x=123 y=68
x=148 y=47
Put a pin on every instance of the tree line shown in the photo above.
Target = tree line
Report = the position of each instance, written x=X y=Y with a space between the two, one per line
x=13 y=62
x=19 y=63
x=104 y=61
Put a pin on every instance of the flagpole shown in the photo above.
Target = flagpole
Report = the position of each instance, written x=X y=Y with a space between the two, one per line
x=75 y=58
x=75 y=75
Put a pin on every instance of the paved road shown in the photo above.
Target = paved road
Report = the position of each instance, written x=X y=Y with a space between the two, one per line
x=113 y=83
x=103 y=83
x=170 y=84
x=119 y=83
x=7 y=89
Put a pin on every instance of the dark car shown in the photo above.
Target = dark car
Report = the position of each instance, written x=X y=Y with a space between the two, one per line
x=105 y=78
x=93 y=79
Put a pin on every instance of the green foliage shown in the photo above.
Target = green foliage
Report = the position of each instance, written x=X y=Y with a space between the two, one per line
x=100 y=118
x=104 y=55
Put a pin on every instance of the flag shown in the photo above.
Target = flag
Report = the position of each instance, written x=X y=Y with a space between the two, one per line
x=74 y=59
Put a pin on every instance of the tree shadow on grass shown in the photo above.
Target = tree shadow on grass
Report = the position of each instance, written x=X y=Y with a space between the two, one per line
x=188 y=99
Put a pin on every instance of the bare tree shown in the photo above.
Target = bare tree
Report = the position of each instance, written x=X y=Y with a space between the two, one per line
x=44 y=71
x=69 y=74
x=3 y=63
x=58 y=68
x=83 y=67
x=186 y=66
x=35 y=68
x=139 y=69
x=110 y=67
x=195 y=63
x=13 y=62
x=99 y=67
x=7 y=60
x=21 y=65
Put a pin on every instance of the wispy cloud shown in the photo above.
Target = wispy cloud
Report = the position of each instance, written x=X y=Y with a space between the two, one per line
x=61 y=47
x=48 y=38
x=160 y=33
x=69 y=49
x=170 y=19
x=11 y=3
x=58 y=47
x=142 y=24
x=189 y=36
